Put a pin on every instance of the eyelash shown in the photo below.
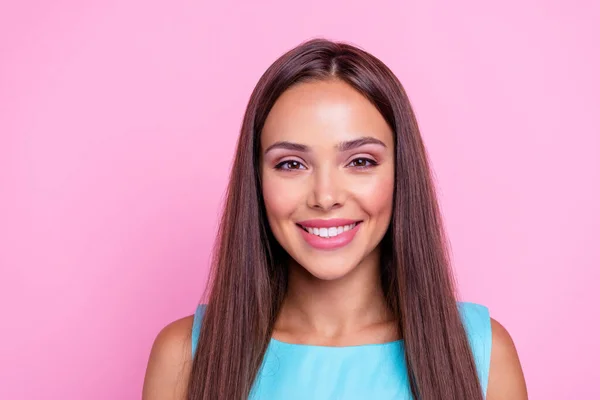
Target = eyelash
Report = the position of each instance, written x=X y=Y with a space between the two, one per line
x=372 y=163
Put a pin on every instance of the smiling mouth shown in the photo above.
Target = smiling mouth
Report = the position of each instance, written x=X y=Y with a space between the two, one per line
x=329 y=232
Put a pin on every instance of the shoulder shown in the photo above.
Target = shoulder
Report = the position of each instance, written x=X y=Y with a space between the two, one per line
x=170 y=362
x=495 y=354
x=506 y=380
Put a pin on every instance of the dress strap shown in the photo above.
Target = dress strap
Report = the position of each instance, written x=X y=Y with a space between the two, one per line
x=477 y=323
x=196 y=327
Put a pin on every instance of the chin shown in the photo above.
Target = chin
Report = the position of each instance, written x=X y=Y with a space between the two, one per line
x=329 y=275
x=328 y=268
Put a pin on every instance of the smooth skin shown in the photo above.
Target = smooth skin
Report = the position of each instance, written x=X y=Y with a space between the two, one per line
x=324 y=150
x=344 y=169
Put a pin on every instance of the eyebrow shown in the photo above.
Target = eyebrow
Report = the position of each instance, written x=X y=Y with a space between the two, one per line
x=356 y=143
x=344 y=146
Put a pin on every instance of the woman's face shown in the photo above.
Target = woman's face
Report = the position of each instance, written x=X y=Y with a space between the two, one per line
x=327 y=165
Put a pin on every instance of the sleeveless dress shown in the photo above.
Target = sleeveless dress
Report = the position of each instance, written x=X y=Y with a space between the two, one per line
x=371 y=371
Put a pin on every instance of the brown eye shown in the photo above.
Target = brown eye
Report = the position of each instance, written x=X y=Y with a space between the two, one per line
x=362 y=163
x=290 y=165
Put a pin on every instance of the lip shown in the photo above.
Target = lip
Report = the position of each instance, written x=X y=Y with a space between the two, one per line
x=334 y=243
x=327 y=223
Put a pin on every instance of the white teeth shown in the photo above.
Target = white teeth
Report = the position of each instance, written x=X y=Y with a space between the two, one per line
x=330 y=232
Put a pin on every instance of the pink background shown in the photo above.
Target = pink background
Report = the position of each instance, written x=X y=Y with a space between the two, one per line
x=117 y=126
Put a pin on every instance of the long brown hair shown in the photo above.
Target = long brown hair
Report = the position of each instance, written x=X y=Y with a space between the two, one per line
x=248 y=279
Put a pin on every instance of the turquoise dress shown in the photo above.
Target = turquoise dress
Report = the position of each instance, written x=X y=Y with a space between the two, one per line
x=371 y=371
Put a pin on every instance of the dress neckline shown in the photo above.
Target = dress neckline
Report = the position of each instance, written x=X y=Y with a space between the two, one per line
x=280 y=343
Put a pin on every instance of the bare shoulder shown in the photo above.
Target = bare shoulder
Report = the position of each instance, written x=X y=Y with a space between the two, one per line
x=506 y=380
x=170 y=362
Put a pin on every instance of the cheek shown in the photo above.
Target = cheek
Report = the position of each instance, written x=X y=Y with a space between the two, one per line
x=282 y=198
x=376 y=196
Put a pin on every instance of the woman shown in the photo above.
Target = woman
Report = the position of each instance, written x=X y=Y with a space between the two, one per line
x=331 y=278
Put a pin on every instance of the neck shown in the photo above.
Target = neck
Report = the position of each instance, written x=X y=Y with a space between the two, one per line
x=337 y=307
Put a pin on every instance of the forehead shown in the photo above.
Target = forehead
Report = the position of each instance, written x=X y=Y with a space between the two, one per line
x=323 y=112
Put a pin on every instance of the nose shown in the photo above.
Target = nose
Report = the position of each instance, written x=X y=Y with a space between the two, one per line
x=327 y=192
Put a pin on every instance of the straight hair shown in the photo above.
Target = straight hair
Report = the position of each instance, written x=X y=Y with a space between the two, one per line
x=249 y=271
